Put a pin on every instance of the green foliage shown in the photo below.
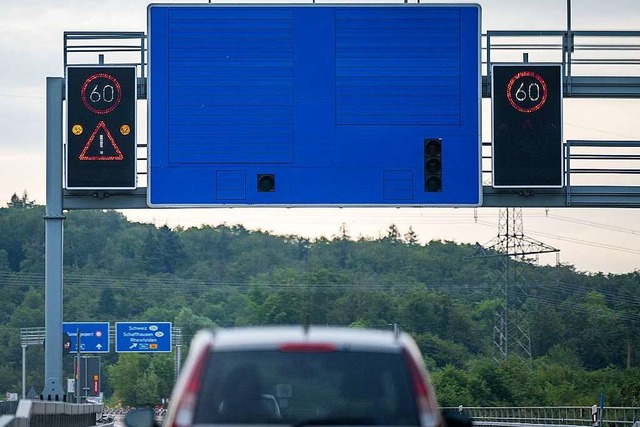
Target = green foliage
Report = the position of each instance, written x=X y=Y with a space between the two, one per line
x=454 y=387
x=630 y=388
x=18 y=202
x=585 y=328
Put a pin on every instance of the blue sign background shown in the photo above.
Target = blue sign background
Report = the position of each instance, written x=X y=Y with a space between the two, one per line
x=94 y=336
x=143 y=337
x=334 y=103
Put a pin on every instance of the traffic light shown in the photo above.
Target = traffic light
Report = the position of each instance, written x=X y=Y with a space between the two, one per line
x=433 y=165
x=266 y=183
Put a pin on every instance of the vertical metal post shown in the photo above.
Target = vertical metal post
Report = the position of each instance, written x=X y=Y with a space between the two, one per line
x=78 y=345
x=489 y=61
x=176 y=334
x=568 y=180
x=24 y=371
x=601 y=410
x=178 y=360
x=507 y=284
x=142 y=88
x=569 y=47
x=53 y=220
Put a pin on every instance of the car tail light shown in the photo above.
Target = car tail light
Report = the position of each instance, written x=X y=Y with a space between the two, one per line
x=186 y=406
x=307 y=348
x=424 y=400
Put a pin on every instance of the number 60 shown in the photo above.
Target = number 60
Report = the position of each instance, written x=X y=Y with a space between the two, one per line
x=108 y=94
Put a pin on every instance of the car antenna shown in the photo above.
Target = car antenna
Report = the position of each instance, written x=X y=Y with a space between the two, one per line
x=306 y=324
x=396 y=332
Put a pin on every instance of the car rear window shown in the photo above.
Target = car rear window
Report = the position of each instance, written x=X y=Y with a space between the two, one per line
x=288 y=387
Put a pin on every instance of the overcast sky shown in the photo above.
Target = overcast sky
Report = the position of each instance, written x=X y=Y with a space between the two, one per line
x=606 y=240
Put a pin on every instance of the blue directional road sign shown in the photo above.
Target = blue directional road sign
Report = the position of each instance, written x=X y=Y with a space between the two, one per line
x=94 y=336
x=314 y=105
x=143 y=337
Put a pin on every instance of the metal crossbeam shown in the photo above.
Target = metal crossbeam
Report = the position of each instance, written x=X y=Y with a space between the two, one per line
x=583 y=54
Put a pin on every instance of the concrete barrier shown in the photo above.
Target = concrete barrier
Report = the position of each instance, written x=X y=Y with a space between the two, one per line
x=38 y=413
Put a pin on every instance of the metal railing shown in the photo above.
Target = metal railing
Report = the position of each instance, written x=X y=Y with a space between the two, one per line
x=122 y=47
x=608 y=163
x=552 y=416
x=611 y=57
x=595 y=63
x=614 y=160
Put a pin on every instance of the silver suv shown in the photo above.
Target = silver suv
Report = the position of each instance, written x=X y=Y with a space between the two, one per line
x=301 y=376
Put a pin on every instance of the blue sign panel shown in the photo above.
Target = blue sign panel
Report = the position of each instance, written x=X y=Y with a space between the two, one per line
x=143 y=337
x=307 y=105
x=94 y=336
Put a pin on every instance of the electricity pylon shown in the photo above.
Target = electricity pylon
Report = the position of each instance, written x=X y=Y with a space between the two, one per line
x=511 y=330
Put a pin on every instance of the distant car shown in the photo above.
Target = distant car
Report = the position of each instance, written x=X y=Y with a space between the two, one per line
x=300 y=376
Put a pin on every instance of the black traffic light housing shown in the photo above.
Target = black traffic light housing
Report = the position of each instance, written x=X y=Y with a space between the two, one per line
x=433 y=165
x=266 y=183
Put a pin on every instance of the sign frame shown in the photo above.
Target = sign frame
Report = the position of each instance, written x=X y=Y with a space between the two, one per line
x=128 y=174
x=128 y=347
x=558 y=181
x=86 y=328
x=230 y=180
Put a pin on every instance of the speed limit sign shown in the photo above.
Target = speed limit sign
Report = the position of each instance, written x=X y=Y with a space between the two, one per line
x=527 y=147
x=101 y=116
x=527 y=91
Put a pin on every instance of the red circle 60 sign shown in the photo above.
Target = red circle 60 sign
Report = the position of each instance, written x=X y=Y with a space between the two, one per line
x=101 y=93
x=527 y=91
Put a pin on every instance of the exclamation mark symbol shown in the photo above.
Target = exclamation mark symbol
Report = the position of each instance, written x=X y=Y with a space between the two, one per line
x=101 y=144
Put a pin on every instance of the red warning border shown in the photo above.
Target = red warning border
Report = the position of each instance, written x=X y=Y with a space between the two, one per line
x=83 y=93
x=539 y=104
x=83 y=154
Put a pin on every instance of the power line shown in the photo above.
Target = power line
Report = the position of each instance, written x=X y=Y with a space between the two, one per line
x=577 y=241
x=4 y=95
x=606 y=132
x=126 y=283
x=596 y=224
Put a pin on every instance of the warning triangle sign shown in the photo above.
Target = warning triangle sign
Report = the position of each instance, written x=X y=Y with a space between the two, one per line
x=101 y=145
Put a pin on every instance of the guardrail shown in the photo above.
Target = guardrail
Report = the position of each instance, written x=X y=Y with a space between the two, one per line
x=552 y=416
x=8 y=408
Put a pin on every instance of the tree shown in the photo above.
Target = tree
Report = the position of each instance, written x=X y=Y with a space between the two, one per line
x=586 y=330
x=4 y=260
x=153 y=256
x=136 y=379
x=124 y=375
x=598 y=333
x=22 y=235
x=411 y=237
x=23 y=202
x=163 y=367
x=453 y=387
x=343 y=232
x=107 y=301
x=393 y=234
x=630 y=389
